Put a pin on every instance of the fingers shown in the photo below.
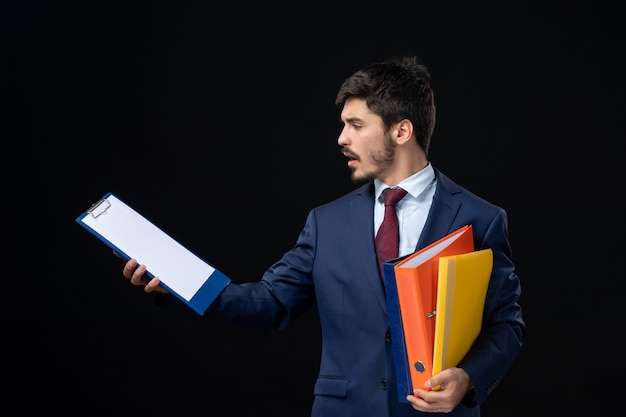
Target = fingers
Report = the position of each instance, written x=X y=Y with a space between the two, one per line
x=153 y=285
x=448 y=388
x=137 y=275
x=130 y=267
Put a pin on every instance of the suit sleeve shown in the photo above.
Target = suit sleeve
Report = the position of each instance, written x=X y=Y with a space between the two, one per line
x=503 y=328
x=284 y=292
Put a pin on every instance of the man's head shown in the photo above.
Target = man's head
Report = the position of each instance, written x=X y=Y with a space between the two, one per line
x=389 y=116
x=396 y=89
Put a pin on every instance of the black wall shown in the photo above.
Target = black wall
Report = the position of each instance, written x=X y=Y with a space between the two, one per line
x=171 y=106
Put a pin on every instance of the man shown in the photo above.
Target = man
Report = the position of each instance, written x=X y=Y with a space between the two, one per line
x=388 y=115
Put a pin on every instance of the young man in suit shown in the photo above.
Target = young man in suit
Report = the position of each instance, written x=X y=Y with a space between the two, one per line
x=388 y=115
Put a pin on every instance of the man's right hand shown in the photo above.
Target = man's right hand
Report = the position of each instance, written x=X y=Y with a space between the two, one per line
x=137 y=275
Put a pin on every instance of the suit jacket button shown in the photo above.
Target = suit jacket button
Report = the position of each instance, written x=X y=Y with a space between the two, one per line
x=388 y=337
x=383 y=383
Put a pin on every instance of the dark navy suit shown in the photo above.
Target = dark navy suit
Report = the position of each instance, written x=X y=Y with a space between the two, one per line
x=334 y=265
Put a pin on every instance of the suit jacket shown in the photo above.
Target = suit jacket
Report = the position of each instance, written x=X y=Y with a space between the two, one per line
x=333 y=264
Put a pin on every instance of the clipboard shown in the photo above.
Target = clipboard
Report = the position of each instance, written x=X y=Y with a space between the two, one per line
x=195 y=282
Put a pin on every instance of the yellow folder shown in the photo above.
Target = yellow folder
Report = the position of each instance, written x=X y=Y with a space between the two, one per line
x=461 y=291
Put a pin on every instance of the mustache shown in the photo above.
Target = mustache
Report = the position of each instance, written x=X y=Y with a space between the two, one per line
x=348 y=153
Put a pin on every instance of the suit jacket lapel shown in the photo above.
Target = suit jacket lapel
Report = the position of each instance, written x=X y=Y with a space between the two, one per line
x=362 y=207
x=442 y=212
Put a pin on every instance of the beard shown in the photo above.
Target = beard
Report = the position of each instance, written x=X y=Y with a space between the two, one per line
x=381 y=160
x=360 y=178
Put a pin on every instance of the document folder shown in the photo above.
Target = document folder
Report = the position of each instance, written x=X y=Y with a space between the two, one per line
x=396 y=331
x=462 y=285
x=416 y=280
x=415 y=301
x=131 y=235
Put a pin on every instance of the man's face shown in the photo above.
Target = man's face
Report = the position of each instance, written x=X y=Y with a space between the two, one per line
x=364 y=141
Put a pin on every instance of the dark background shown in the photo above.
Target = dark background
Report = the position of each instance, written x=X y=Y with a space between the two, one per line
x=169 y=106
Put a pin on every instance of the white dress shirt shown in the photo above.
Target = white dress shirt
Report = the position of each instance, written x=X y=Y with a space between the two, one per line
x=412 y=210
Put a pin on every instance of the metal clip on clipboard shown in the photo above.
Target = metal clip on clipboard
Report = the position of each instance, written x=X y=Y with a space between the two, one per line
x=98 y=208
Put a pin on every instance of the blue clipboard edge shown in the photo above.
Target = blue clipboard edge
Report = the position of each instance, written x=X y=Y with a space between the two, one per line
x=203 y=298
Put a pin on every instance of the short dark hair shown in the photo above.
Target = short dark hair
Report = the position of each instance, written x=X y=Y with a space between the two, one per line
x=395 y=89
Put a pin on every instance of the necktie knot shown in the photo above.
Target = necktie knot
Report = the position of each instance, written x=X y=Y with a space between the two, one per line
x=391 y=196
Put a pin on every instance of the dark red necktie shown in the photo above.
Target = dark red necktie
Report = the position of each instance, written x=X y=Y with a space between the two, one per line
x=388 y=235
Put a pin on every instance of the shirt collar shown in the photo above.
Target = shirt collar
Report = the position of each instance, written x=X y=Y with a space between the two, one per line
x=414 y=185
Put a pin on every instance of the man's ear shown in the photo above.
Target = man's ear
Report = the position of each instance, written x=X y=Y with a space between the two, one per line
x=403 y=131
